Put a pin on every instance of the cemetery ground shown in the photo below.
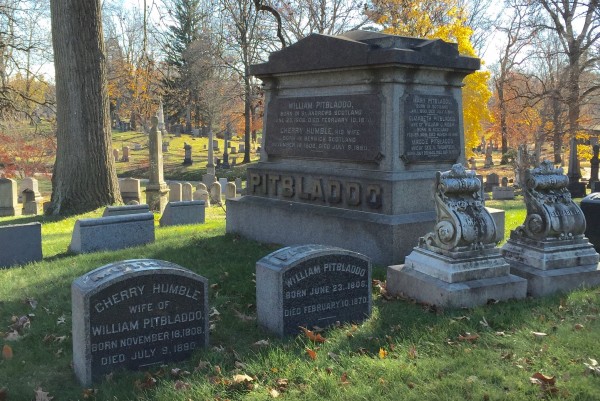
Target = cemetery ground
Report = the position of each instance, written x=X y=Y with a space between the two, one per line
x=543 y=348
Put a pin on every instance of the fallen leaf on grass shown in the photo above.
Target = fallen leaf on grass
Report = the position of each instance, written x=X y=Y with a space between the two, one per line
x=273 y=393
x=546 y=383
x=282 y=384
x=261 y=343
x=147 y=383
x=12 y=336
x=333 y=356
x=468 y=337
x=7 y=352
x=181 y=385
x=202 y=365
x=344 y=378
x=382 y=287
x=578 y=326
x=311 y=353
x=538 y=334
x=592 y=367
x=412 y=352
x=240 y=365
x=20 y=323
x=32 y=302
x=243 y=317
x=214 y=312
x=89 y=393
x=61 y=320
x=176 y=372
x=242 y=378
x=312 y=336
x=382 y=353
x=41 y=395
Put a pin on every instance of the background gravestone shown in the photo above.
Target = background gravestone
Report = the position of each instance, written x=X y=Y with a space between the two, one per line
x=134 y=314
x=355 y=128
x=312 y=285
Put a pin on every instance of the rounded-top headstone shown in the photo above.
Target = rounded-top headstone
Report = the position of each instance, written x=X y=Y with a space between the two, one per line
x=135 y=314
x=312 y=285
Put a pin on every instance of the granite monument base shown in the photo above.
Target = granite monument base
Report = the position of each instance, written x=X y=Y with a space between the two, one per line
x=553 y=265
x=451 y=281
x=386 y=239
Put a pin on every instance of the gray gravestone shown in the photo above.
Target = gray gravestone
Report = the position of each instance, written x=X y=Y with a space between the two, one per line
x=186 y=212
x=491 y=181
x=116 y=154
x=175 y=192
x=230 y=191
x=111 y=233
x=312 y=285
x=358 y=153
x=9 y=205
x=20 y=244
x=215 y=193
x=186 y=191
x=125 y=154
x=223 y=182
x=126 y=209
x=136 y=314
x=130 y=190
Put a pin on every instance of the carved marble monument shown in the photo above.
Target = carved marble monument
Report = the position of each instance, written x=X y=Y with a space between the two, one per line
x=550 y=249
x=157 y=190
x=458 y=263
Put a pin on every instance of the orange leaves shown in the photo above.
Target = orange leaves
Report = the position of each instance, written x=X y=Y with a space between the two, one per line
x=546 y=383
x=311 y=353
x=468 y=337
x=7 y=352
x=315 y=337
x=382 y=353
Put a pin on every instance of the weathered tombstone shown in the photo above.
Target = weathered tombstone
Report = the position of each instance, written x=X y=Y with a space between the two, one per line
x=157 y=191
x=9 y=205
x=32 y=205
x=391 y=117
x=125 y=154
x=127 y=209
x=20 y=244
x=550 y=249
x=458 y=263
x=186 y=212
x=187 y=190
x=32 y=184
x=130 y=190
x=238 y=185
x=175 y=192
x=312 y=285
x=473 y=163
x=202 y=195
x=187 y=158
x=160 y=114
x=230 y=191
x=491 y=181
x=223 y=182
x=594 y=163
x=137 y=146
x=201 y=186
x=489 y=162
x=576 y=188
x=215 y=193
x=136 y=314
x=503 y=193
x=209 y=179
x=112 y=233
x=116 y=154
x=165 y=146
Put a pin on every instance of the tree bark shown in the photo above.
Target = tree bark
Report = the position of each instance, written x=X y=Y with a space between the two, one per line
x=84 y=172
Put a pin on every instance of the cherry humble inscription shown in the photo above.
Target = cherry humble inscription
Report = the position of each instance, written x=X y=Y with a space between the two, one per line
x=135 y=314
x=342 y=127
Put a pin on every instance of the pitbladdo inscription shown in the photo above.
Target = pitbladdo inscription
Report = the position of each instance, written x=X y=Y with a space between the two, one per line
x=135 y=314
x=431 y=130
x=342 y=127
x=317 y=286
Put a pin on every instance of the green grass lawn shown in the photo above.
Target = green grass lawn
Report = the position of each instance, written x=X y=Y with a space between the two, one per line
x=405 y=351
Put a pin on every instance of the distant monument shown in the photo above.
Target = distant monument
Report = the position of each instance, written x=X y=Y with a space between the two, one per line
x=550 y=249
x=157 y=190
x=576 y=188
x=458 y=263
x=187 y=159
x=350 y=163
x=161 y=118
x=594 y=163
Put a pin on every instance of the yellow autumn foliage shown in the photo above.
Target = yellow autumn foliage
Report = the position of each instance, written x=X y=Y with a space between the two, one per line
x=441 y=19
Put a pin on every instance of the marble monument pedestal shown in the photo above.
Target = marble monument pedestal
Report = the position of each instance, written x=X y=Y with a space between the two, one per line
x=553 y=265
x=455 y=279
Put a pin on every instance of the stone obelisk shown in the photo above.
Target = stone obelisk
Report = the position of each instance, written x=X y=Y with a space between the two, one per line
x=157 y=190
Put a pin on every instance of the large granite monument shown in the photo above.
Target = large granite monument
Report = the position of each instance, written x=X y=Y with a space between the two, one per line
x=355 y=128
x=458 y=263
x=550 y=249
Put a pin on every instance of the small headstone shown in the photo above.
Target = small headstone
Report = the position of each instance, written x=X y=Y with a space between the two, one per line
x=20 y=244
x=196 y=132
x=8 y=198
x=201 y=186
x=125 y=157
x=488 y=156
x=116 y=154
x=491 y=180
x=130 y=190
x=175 y=192
x=32 y=205
x=503 y=193
x=187 y=159
x=504 y=182
x=136 y=314
x=215 y=193
x=223 y=182
x=186 y=191
x=312 y=285
x=238 y=185
x=127 y=209
x=186 y=212
x=230 y=191
x=137 y=146
x=31 y=184
x=165 y=147
x=202 y=195
x=111 y=233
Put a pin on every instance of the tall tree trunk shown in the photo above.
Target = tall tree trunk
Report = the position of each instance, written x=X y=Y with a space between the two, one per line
x=84 y=172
